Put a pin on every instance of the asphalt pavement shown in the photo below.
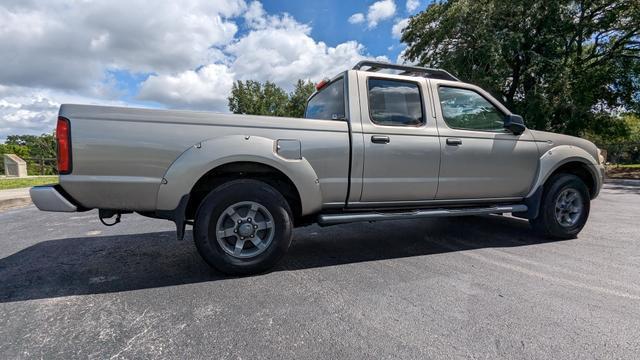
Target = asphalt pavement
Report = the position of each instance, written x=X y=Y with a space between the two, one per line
x=14 y=198
x=479 y=287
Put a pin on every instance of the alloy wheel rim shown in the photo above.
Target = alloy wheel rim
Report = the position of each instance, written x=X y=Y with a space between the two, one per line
x=245 y=229
x=569 y=207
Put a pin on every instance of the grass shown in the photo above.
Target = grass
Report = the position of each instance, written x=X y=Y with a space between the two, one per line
x=16 y=183
x=631 y=166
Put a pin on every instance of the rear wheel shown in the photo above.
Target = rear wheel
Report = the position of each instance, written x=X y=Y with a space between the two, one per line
x=243 y=227
x=564 y=208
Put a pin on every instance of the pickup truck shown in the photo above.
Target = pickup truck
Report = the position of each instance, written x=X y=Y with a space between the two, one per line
x=377 y=142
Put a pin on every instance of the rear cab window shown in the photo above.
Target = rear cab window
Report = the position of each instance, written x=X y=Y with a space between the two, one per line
x=328 y=103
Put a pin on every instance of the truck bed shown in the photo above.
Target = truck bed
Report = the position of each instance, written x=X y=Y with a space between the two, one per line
x=121 y=155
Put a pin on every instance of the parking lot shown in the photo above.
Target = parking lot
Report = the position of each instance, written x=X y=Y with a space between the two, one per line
x=480 y=287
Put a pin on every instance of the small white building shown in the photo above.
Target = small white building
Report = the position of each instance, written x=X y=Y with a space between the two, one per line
x=14 y=166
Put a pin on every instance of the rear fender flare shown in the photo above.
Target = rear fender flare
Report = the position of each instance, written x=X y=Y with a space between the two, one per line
x=207 y=155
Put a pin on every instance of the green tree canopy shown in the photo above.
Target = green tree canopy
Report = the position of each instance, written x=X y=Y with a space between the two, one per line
x=21 y=151
x=255 y=98
x=298 y=98
x=565 y=65
x=42 y=146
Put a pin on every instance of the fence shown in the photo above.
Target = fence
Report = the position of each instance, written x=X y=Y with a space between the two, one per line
x=37 y=166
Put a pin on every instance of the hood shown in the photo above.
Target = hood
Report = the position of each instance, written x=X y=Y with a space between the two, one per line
x=548 y=140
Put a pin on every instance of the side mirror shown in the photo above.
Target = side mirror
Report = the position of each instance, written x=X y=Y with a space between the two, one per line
x=514 y=123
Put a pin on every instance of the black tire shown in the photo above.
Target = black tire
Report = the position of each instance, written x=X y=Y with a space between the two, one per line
x=213 y=207
x=547 y=223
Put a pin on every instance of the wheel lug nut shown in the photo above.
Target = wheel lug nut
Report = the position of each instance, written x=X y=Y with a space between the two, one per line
x=249 y=219
x=255 y=226
x=235 y=230
x=239 y=221
x=241 y=237
x=251 y=235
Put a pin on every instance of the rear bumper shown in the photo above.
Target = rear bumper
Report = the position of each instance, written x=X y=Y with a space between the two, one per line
x=50 y=198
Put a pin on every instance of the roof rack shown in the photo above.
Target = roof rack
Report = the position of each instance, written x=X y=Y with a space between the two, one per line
x=408 y=70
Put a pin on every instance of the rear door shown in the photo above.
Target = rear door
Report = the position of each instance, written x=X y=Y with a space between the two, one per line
x=400 y=140
x=480 y=159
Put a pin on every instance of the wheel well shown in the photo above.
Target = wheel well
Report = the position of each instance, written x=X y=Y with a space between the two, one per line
x=580 y=170
x=244 y=170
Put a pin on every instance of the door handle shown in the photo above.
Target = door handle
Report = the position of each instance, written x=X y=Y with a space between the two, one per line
x=454 y=142
x=380 y=139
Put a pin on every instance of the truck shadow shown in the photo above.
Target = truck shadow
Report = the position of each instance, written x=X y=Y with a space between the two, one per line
x=96 y=265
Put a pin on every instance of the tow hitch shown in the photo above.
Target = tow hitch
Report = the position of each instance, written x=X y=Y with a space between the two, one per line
x=108 y=214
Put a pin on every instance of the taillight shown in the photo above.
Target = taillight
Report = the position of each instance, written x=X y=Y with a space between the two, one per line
x=63 y=139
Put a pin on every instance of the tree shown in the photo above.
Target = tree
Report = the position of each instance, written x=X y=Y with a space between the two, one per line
x=298 y=98
x=43 y=146
x=254 y=98
x=565 y=65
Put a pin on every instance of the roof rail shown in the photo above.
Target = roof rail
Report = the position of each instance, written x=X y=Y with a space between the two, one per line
x=374 y=66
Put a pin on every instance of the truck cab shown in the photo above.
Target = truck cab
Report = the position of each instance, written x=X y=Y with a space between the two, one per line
x=420 y=140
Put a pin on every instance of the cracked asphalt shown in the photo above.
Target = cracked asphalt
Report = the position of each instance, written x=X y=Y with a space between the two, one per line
x=481 y=287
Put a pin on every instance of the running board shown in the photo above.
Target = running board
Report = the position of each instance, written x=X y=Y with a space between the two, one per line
x=333 y=219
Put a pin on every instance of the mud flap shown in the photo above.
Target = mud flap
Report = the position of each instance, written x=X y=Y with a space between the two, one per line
x=533 y=205
x=177 y=215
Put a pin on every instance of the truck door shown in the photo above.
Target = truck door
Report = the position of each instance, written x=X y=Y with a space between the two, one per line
x=480 y=159
x=400 y=140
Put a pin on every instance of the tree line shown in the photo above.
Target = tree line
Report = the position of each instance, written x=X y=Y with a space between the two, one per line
x=33 y=148
x=255 y=98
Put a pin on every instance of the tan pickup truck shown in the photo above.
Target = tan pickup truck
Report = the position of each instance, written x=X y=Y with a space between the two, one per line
x=378 y=142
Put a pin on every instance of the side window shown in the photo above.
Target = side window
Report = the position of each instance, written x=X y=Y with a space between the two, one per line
x=328 y=104
x=395 y=102
x=466 y=109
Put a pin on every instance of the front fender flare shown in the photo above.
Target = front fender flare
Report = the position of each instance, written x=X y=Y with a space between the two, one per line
x=207 y=155
x=554 y=158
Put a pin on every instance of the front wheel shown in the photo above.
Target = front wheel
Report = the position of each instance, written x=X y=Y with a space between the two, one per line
x=564 y=208
x=243 y=227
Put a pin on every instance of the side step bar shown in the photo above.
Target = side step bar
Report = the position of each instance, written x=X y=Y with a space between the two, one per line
x=333 y=219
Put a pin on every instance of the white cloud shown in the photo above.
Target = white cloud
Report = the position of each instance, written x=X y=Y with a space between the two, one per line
x=412 y=5
x=26 y=115
x=356 y=18
x=283 y=51
x=206 y=88
x=379 y=11
x=69 y=44
x=34 y=111
x=398 y=27
x=277 y=48
x=255 y=15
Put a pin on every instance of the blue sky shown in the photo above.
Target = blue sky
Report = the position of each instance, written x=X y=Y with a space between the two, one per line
x=186 y=54
x=329 y=21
